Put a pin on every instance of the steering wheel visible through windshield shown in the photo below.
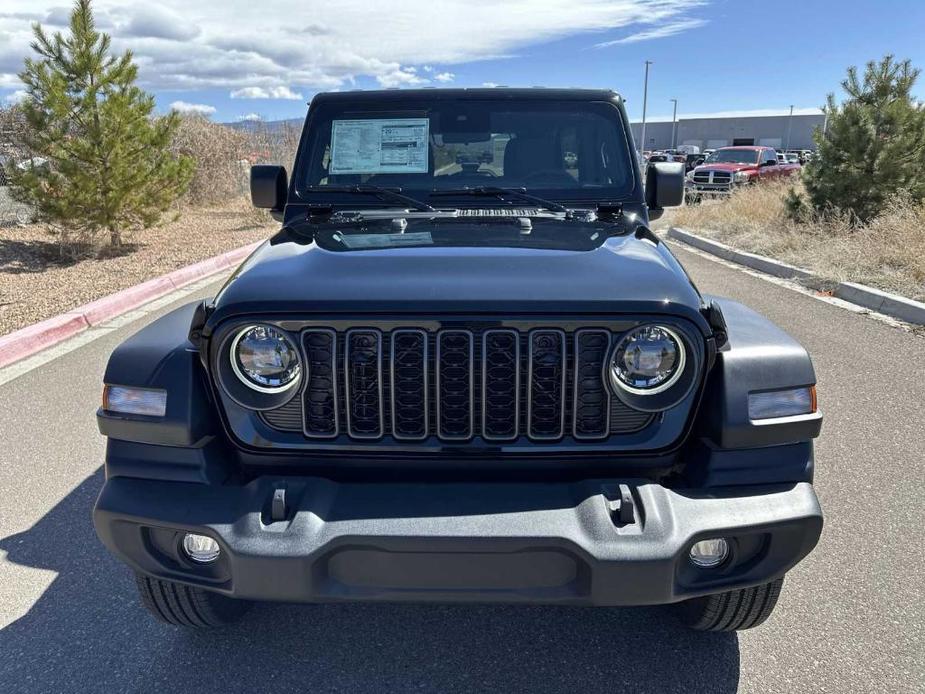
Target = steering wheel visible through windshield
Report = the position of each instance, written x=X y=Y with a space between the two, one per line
x=564 y=150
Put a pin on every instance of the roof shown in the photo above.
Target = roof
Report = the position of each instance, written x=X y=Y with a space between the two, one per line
x=456 y=93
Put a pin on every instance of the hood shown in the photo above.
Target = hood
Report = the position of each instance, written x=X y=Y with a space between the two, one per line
x=725 y=166
x=624 y=274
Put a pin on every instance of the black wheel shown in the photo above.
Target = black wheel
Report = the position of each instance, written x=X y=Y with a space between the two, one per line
x=185 y=606
x=733 y=610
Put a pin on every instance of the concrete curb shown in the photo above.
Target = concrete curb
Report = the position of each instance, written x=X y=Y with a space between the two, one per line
x=891 y=305
x=27 y=341
x=757 y=262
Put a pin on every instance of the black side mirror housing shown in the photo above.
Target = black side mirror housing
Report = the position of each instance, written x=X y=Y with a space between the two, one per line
x=664 y=186
x=269 y=188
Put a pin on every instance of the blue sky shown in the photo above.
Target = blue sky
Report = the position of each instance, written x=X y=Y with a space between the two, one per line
x=234 y=59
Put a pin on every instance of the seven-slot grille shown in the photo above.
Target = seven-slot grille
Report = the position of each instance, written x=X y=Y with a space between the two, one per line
x=455 y=384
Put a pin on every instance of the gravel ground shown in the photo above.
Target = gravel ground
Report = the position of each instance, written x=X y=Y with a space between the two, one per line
x=36 y=283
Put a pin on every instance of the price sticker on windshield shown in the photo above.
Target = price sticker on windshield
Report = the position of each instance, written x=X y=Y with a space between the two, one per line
x=371 y=146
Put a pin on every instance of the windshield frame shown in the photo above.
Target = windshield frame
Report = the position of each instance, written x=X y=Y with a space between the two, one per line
x=301 y=191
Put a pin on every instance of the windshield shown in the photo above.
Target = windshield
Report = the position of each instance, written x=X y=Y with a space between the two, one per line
x=555 y=149
x=733 y=156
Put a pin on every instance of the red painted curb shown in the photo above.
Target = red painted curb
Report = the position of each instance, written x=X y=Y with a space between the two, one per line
x=25 y=342
x=116 y=304
x=38 y=336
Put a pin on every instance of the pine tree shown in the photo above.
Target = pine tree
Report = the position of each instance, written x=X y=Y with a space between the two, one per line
x=873 y=146
x=109 y=167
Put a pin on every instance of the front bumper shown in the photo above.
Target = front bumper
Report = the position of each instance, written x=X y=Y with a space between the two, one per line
x=708 y=190
x=487 y=542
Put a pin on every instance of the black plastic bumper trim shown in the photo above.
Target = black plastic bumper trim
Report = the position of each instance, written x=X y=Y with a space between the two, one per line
x=484 y=542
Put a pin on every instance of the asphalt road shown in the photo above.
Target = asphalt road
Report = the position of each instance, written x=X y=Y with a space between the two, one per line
x=850 y=618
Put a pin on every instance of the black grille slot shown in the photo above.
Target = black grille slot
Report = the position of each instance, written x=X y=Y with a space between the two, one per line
x=455 y=393
x=408 y=368
x=500 y=384
x=546 y=384
x=320 y=395
x=363 y=367
x=591 y=417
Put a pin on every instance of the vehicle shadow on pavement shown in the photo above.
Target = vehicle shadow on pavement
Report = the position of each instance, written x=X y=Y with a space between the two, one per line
x=88 y=632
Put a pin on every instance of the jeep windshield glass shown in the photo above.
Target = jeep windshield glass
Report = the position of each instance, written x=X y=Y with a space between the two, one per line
x=733 y=156
x=560 y=151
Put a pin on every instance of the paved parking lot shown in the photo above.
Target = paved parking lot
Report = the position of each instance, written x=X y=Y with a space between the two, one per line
x=850 y=618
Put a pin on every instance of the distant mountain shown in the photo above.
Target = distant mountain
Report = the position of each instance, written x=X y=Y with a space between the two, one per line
x=269 y=125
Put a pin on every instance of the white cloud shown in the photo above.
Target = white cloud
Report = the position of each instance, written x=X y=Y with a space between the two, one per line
x=400 y=77
x=490 y=85
x=280 y=92
x=428 y=68
x=198 y=109
x=658 y=32
x=239 y=44
x=16 y=97
x=445 y=77
x=251 y=117
x=158 y=22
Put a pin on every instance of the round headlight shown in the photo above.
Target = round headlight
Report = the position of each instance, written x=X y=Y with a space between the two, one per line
x=647 y=360
x=264 y=359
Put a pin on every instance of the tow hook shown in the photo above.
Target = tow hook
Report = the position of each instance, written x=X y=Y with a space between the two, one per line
x=618 y=499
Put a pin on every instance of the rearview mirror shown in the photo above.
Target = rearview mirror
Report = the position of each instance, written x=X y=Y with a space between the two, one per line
x=269 y=187
x=664 y=185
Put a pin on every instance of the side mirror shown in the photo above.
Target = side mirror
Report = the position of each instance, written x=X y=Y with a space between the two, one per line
x=664 y=185
x=269 y=187
x=770 y=162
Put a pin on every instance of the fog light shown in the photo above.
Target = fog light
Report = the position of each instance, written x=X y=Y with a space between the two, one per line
x=200 y=548
x=710 y=553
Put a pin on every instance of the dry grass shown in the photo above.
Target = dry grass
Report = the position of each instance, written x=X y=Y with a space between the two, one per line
x=888 y=253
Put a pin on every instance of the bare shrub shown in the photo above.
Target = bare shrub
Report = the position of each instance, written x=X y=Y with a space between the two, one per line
x=13 y=127
x=888 y=252
x=273 y=143
x=220 y=153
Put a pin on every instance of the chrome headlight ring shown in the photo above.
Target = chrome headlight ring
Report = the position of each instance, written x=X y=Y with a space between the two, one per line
x=667 y=392
x=239 y=370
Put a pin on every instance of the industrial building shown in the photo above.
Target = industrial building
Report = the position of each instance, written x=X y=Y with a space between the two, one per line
x=778 y=131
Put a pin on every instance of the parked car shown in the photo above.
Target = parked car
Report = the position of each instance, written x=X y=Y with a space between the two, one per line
x=423 y=388
x=729 y=167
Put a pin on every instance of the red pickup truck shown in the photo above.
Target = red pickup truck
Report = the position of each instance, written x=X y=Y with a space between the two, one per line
x=729 y=167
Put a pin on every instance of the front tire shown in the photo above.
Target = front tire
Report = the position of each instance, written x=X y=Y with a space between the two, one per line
x=186 y=606
x=733 y=610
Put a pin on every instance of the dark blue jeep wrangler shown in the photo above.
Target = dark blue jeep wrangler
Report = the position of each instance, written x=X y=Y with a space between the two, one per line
x=464 y=369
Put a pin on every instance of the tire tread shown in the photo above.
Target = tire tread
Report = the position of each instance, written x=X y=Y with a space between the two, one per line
x=188 y=606
x=732 y=610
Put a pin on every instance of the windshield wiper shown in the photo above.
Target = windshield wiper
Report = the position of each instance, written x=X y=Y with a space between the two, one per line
x=388 y=194
x=498 y=192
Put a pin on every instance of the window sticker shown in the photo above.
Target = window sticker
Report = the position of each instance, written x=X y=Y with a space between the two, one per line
x=370 y=146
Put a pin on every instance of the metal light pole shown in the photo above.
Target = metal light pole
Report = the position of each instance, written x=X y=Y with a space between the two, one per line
x=674 y=122
x=789 y=126
x=645 y=96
